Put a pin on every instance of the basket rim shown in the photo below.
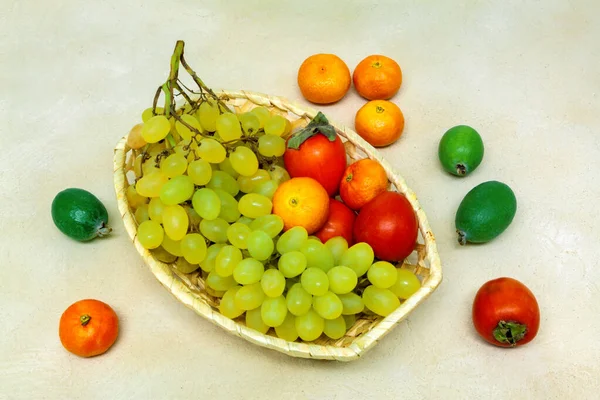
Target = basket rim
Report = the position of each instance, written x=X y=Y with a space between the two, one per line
x=178 y=289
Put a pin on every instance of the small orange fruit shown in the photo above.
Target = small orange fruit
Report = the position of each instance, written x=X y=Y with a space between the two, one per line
x=324 y=78
x=362 y=182
x=377 y=77
x=379 y=122
x=301 y=202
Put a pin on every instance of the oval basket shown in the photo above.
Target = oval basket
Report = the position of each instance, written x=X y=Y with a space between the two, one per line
x=190 y=290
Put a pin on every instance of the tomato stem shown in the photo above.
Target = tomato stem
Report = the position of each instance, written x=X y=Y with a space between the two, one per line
x=85 y=319
x=509 y=332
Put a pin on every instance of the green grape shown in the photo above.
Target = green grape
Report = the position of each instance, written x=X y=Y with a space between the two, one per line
x=250 y=123
x=150 y=185
x=175 y=221
x=155 y=209
x=193 y=247
x=237 y=234
x=245 y=220
x=208 y=264
x=248 y=271
x=222 y=180
x=267 y=189
x=210 y=150
x=149 y=113
x=133 y=197
x=317 y=255
x=207 y=115
x=270 y=224
x=227 y=260
x=229 y=206
x=200 y=171
x=207 y=203
x=352 y=303
x=244 y=161
x=150 y=234
x=250 y=296
x=273 y=311
x=260 y=245
x=273 y=283
x=228 y=127
x=262 y=113
x=271 y=146
x=358 y=257
x=225 y=166
x=193 y=216
x=337 y=246
x=227 y=305
x=382 y=274
x=141 y=214
x=214 y=230
x=315 y=281
x=185 y=132
x=328 y=306
x=350 y=320
x=177 y=190
x=292 y=240
x=381 y=301
x=254 y=321
x=310 y=326
x=279 y=174
x=156 y=129
x=406 y=285
x=172 y=246
x=287 y=330
x=248 y=183
x=275 y=125
x=174 y=165
x=335 y=328
x=292 y=264
x=298 y=300
x=342 y=279
x=162 y=255
x=220 y=283
x=183 y=266
x=254 y=205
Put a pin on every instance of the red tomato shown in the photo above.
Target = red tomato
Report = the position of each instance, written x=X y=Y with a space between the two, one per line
x=389 y=225
x=320 y=159
x=506 y=313
x=339 y=223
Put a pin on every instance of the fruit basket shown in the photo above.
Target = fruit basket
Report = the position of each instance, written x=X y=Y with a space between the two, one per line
x=191 y=289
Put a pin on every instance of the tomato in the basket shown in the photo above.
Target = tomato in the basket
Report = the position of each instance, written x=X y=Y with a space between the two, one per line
x=389 y=225
x=88 y=328
x=339 y=223
x=506 y=313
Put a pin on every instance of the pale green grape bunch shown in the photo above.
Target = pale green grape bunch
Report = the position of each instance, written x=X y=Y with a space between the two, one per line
x=247 y=184
x=211 y=151
x=263 y=114
x=200 y=172
x=248 y=271
x=260 y=245
x=207 y=203
x=184 y=131
x=244 y=161
x=228 y=127
x=358 y=257
x=227 y=260
x=292 y=240
x=250 y=123
x=156 y=129
x=237 y=234
x=174 y=165
x=254 y=205
x=250 y=296
x=222 y=180
x=381 y=301
x=177 y=190
x=209 y=261
x=207 y=115
x=271 y=146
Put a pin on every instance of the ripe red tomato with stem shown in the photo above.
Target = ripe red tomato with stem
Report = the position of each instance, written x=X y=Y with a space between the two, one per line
x=339 y=223
x=506 y=313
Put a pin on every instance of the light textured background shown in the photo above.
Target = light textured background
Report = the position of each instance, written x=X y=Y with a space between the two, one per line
x=75 y=76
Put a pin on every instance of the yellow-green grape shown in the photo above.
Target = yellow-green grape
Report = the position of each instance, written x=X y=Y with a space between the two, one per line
x=149 y=113
x=174 y=165
x=208 y=264
x=247 y=184
x=222 y=180
x=156 y=129
x=317 y=255
x=137 y=166
x=292 y=264
x=175 y=221
x=163 y=256
x=279 y=174
x=254 y=321
x=200 y=172
x=341 y=279
x=220 y=283
x=287 y=330
x=273 y=311
x=337 y=246
x=207 y=203
x=229 y=206
x=273 y=283
x=193 y=216
x=406 y=284
x=382 y=274
x=244 y=161
x=335 y=328
x=133 y=197
x=328 y=306
x=141 y=214
x=150 y=185
x=183 y=266
x=358 y=257
x=262 y=113
x=237 y=234
x=350 y=320
x=155 y=148
x=228 y=127
x=254 y=205
x=227 y=259
x=267 y=189
x=149 y=166
x=150 y=234
x=275 y=125
x=177 y=190
x=310 y=326
x=250 y=296
x=248 y=271
x=260 y=245
x=315 y=281
x=181 y=148
x=207 y=115
x=381 y=301
x=193 y=248
x=271 y=224
x=271 y=146
x=352 y=303
x=292 y=240
x=185 y=132
x=155 y=209
x=227 y=305
x=225 y=166
x=298 y=300
x=210 y=150
x=214 y=230
x=250 y=123
x=172 y=246
x=245 y=220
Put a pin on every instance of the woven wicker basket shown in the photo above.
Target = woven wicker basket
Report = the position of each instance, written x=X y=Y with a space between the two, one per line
x=190 y=289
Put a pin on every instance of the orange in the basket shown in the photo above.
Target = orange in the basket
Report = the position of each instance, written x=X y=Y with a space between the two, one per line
x=377 y=77
x=324 y=78
x=379 y=122
x=362 y=182
x=301 y=202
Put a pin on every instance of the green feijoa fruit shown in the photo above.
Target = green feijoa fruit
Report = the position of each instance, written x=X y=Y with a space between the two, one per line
x=80 y=215
x=460 y=150
x=485 y=212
